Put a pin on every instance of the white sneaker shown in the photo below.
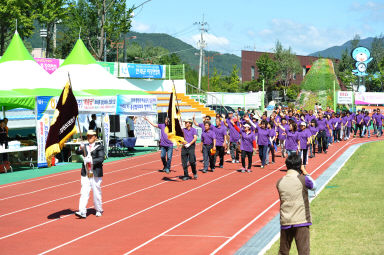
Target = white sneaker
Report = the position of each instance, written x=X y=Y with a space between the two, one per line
x=98 y=214
x=237 y=161
x=233 y=161
x=81 y=215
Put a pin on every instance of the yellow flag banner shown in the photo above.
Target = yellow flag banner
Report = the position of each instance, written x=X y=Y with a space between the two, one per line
x=63 y=124
x=173 y=130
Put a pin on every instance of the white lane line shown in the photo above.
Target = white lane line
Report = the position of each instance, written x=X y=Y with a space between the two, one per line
x=54 y=186
x=137 y=213
x=202 y=211
x=105 y=202
x=199 y=236
x=71 y=171
x=267 y=209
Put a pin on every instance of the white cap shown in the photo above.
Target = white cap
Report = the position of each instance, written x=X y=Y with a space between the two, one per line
x=247 y=125
x=303 y=123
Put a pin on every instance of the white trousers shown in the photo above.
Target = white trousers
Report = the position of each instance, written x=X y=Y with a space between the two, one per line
x=87 y=184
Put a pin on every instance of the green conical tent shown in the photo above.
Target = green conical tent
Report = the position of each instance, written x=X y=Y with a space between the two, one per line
x=87 y=75
x=16 y=51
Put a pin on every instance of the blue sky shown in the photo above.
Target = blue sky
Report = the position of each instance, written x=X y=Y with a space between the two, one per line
x=305 y=26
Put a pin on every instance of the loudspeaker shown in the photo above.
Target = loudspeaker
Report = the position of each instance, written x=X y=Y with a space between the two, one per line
x=115 y=123
x=161 y=117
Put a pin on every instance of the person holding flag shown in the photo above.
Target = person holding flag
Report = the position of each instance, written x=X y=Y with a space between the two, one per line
x=166 y=146
x=91 y=174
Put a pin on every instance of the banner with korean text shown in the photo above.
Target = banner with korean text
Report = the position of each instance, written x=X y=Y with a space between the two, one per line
x=128 y=70
x=369 y=98
x=344 y=97
x=48 y=64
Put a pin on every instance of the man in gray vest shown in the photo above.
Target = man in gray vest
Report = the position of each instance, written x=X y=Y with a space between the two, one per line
x=295 y=215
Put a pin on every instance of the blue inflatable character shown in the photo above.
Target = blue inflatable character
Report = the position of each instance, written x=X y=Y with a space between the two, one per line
x=363 y=57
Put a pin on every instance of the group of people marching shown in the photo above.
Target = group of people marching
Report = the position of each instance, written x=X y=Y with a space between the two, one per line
x=294 y=132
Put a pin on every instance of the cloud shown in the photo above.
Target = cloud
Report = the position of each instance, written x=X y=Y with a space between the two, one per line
x=303 y=38
x=140 y=27
x=211 y=40
x=369 y=11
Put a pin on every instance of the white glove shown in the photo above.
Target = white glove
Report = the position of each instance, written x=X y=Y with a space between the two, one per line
x=187 y=145
x=82 y=146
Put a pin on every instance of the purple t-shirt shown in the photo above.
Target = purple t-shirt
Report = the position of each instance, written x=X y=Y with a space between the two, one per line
x=303 y=138
x=344 y=120
x=359 y=118
x=291 y=142
x=379 y=119
x=220 y=132
x=313 y=130
x=367 y=120
x=234 y=136
x=350 y=119
x=262 y=136
x=208 y=136
x=282 y=133
x=322 y=124
x=189 y=134
x=308 y=118
x=164 y=141
x=247 y=141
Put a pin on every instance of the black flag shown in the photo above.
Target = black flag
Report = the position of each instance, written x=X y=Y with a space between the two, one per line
x=63 y=124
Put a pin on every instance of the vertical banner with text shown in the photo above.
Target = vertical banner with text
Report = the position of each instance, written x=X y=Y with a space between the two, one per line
x=106 y=132
x=42 y=129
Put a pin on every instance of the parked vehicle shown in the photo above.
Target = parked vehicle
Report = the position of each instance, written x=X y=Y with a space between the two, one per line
x=220 y=109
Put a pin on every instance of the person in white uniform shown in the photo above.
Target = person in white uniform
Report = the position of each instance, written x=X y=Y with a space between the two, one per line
x=91 y=174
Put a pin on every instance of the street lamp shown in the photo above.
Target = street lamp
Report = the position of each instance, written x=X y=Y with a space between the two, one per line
x=210 y=58
x=125 y=46
x=43 y=34
x=117 y=45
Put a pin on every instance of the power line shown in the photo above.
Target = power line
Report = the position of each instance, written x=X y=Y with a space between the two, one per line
x=201 y=45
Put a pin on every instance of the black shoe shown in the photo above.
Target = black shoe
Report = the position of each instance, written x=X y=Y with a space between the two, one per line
x=311 y=156
x=195 y=176
x=221 y=166
x=213 y=170
x=325 y=152
x=204 y=171
x=185 y=178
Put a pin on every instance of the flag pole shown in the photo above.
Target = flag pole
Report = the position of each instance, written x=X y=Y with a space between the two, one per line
x=177 y=102
x=78 y=123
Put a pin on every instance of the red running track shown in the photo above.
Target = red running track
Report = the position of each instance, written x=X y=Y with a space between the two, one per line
x=147 y=211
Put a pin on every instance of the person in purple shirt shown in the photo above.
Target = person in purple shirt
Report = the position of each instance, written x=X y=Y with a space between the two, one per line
x=271 y=142
x=188 y=150
x=293 y=193
x=324 y=128
x=234 y=138
x=379 y=122
x=305 y=141
x=292 y=142
x=373 y=117
x=282 y=135
x=337 y=124
x=329 y=131
x=359 y=123
x=166 y=146
x=248 y=144
x=208 y=138
x=314 y=130
x=309 y=117
x=367 y=124
x=221 y=143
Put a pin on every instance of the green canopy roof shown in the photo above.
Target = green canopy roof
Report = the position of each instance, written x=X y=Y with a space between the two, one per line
x=10 y=99
x=79 y=55
x=16 y=50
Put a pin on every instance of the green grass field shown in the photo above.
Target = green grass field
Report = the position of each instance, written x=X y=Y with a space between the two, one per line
x=348 y=214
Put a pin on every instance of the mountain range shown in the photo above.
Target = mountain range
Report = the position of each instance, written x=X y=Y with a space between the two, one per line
x=336 y=51
x=188 y=53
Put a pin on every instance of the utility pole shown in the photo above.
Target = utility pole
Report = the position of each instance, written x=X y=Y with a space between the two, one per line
x=202 y=45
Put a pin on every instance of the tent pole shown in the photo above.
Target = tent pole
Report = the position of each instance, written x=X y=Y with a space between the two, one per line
x=3 y=112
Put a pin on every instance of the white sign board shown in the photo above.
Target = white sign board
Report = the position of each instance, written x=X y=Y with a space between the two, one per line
x=344 y=97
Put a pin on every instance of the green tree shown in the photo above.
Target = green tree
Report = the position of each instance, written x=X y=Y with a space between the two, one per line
x=215 y=81
x=11 y=10
x=267 y=69
x=232 y=83
x=287 y=65
x=50 y=13
x=97 y=19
